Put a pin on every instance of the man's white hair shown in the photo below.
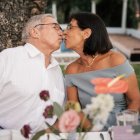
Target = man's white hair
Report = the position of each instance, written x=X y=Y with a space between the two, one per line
x=31 y=23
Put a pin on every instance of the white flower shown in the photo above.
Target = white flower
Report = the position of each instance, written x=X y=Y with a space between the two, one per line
x=99 y=110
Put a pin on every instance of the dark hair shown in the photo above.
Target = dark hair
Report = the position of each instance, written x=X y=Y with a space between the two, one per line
x=98 y=42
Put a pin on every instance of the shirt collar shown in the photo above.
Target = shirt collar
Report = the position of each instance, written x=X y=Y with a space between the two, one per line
x=53 y=63
x=33 y=52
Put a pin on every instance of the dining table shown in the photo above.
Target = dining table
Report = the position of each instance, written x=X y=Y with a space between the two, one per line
x=7 y=134
x=113 y=133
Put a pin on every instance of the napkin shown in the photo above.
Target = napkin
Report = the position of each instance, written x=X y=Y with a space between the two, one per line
x=126 y=132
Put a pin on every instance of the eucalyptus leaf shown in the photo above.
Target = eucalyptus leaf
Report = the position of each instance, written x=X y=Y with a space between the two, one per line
x=38 y=134
x=58 y=110
x=54 y=130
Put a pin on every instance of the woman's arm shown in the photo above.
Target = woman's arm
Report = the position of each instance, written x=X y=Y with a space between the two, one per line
x=72 y=94
x=133 y=93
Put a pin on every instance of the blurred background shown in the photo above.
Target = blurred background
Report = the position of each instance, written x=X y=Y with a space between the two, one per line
x=121 y=17
x=14 y=13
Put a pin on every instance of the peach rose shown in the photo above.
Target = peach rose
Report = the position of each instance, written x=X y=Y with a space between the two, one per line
x=69 y=121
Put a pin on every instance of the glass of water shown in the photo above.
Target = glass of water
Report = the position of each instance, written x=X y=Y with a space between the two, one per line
x=127 y=117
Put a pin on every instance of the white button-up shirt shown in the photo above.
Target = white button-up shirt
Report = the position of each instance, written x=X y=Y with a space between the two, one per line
x=23 y=76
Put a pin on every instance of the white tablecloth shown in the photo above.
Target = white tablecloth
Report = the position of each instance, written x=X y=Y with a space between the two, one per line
x=15 y=135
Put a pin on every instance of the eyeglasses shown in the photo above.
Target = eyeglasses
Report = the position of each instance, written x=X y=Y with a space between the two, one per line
x=55 y=25
x=69 y=27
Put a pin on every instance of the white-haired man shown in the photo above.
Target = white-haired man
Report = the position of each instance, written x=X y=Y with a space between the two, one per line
x=27 y=70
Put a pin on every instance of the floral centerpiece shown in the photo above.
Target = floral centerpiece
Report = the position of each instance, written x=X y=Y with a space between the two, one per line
x=68 y=117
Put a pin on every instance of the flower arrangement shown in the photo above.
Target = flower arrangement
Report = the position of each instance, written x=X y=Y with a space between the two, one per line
x=98 y=111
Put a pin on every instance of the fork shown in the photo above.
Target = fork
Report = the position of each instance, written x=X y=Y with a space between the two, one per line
x=110 y=133
x=102 y=136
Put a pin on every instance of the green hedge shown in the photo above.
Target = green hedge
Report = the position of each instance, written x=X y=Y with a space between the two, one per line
x=137 y=71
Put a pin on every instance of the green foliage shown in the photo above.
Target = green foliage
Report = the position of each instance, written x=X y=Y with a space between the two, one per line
x=58 y=111
x=38 y=134
x=52 y=129
x=137 y=71
x=109 y=10
x=66 y=7
x=131 y=19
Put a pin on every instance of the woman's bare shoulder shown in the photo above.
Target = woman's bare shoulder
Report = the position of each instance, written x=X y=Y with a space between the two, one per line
x=116 y=58
x=72 y=68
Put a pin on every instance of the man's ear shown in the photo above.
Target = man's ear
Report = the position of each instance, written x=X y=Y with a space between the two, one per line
x=34 y=33
x=87 y=33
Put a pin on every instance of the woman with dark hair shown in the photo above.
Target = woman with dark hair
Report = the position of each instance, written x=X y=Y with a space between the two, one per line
x=86 y=34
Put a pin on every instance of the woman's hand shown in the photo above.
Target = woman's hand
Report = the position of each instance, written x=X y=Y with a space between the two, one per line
x=85 y=125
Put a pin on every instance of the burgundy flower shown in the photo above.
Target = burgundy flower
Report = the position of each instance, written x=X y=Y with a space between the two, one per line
x=48 y=112
x=26 y=130
x=44 y=95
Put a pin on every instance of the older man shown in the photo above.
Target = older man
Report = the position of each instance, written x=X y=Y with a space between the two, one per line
x=27 y=70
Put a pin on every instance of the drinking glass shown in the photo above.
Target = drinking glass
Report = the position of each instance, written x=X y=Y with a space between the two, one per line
x=120 y=119
x=127 y=117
